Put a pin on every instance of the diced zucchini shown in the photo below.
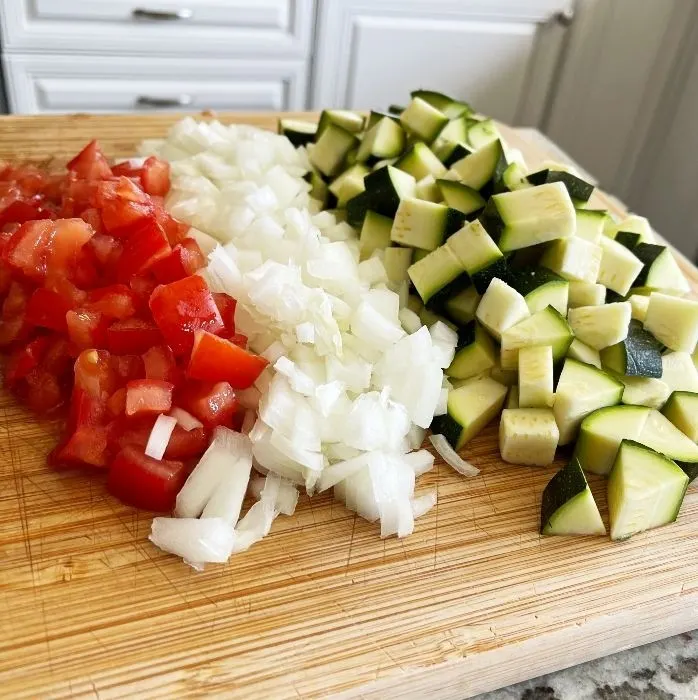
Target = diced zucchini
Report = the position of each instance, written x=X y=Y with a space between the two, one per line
x=628 y=238
x=331 y=149
x=600 y=326
x=530 y=216
x=478 y=254
x=639 y=306
x=456 y=131
x=376 y=115
x=679 y=371
x=470 y=408
x=375 y=234
x=385 y=188
x=461 y=197
x=432 y=273
x=536 y=376
x=576 y=187
x=298 y=132
x=343 y=118
x=581 y=390
x=477 y=169
x=660 y=270
x=682 y=410
x=513 y=399
x=475 y=352
x=384 y=139
x=508 y=377
x=449 y=153
x=319 y=189
x=357 y=207
x=419 y=161
x=568 y=506
x=419 y=224
x=482 y=133
x=601 y=433
x=638 y=355
x=450 y=107
x=673 y=321
x=514 y=177
x=582 y=352
x=501 y=307
x=422 y=120
x=428 y=189
x=643 y=391
x=528 y=436
x=590 y=223
x=634 y=224
x=575 y=259
x=540 y=287
x=338 y=186
x=645 y=490
x=660 y=434
x=397 y=261
x=586 y=294
x=546 y=327
x=419 y=254
x=462 y=306
x=619 y=267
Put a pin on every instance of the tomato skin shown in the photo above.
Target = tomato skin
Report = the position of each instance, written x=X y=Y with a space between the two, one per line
x=183 y=444
x=13 y=326
x=122 y=204
x=21 y=210
x=148 y=396
x=47 y=309
x=90 y=163
x=176 y=231
x=87 y=329
x=132 y=336
x=226 y=306
x=180 y=308
x=213 y=404
x=145 y=246
x=143 y=482
x=216 y=359
x=116 y=301
x=25 y=359
x=160 y=363
x=185 y=259
x=155 y=176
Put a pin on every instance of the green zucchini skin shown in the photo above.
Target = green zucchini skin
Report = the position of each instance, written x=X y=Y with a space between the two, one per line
x=578 y=189
x=438 y=300
x=527 y=279
x=448 y=427
x=562 y=488
x=639 y=355
x=482 y=278
x=647 y=253
x=628 y=238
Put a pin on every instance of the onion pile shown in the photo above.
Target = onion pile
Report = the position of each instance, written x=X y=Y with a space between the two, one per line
x=354 y=378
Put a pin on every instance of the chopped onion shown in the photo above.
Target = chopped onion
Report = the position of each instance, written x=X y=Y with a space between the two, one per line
x=185 y=419
x=258 y=520
x=208 y=540
x=423 y=504
x=421 y=461
x=442 y=405
x=339 y=471
x=451 y=457
x=160 y=436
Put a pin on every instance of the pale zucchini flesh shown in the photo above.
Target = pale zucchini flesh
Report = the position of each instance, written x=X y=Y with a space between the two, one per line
x=582 y=352
x=673 y=321
x=586 y=294
x=536 y=376
x=619 y=267
x=682 y=410
x=528 y=436
x=600 y=326
x=679 y=371
x=500 y=308
x=575 y=259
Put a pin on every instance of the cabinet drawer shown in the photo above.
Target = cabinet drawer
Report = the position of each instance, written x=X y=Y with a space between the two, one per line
x=125 y=84
x=159 y=27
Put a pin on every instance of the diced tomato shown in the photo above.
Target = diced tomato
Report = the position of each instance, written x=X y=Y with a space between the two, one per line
x=60 y=356
x=182 y=307
x=144 y=482
x=90 y=163
x=87 y=329
x=13 y=326
x=160 y=363
x=148 y=396
x=176 y=231
x=25 y=359
x=127 y=367
x=239 y=339
x=145 y=246
x=107 y=249
x=184 y=260
x=212 y=404
x=48 y=309
x=94 y=374
x=143 y=286
x=72 y=295
x=21 y=210
x=226 y=306
x=126 y=169
x=115 y=301
x=183 y=444
x=93 y=218
x=85 y=447
x=123 y=204
x=132 y=336
x=71 y=235
x=116 y=403
x=43 y=393
x=156 y=176
x=217 y=359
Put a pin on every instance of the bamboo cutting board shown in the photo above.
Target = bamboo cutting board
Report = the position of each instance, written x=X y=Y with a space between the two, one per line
x=474 y=600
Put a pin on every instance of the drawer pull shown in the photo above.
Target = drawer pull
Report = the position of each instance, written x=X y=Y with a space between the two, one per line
x=161 y=15
x=159 y=102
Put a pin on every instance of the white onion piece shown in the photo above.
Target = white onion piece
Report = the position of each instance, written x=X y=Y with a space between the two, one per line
x=442 y=404
x=226 y=500
x=225 y=449
x=415 y=436
x=298 y=379
x=209 y=540
x=258 y=520
x=287 y=498
x=423 y=504
x=185 y=419
x=451 y=457
x=340 y=471
x=421 y=461
x=160 y=436
x=255 y=487
x=305 y=333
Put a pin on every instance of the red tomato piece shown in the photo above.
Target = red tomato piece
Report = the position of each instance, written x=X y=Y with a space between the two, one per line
x=156 y=176
x=87 y=329
x=184 y=260
x=71 y=235
x=226 y=306
x=186 y=444
x=132 y=336
x=93 y=218
x=13 y=326
x=44 y=392
x=145 y=246
x=176 y=231
x=48 y=309
x=127 y=367
x=116 y=403
x=144 y=482
x=90 y=163
x=122 y=204
x=115 y=301
x=25 y=359
x=72 y=295
x=60 y=356
x=21 y=210
x=148 y=396
x=217 y=359
x=107 y=249
x=160 y=363
x=126 y=169
x=94 y=374
x=182 y=307
x=212 y=404
x=86 y=447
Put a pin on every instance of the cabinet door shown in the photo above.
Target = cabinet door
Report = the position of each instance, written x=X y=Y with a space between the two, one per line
x=371 y=54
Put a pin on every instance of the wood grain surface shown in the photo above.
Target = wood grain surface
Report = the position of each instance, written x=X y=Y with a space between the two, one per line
x=474 y=600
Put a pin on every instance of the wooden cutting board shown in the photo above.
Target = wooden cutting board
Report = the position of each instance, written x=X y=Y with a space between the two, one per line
x=475 y=599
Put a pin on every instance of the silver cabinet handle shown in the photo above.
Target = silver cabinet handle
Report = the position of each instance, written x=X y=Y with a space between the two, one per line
x=159 y=102
x=161 y=15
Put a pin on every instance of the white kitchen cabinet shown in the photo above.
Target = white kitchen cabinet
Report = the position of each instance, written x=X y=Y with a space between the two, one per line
x=498 y=54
